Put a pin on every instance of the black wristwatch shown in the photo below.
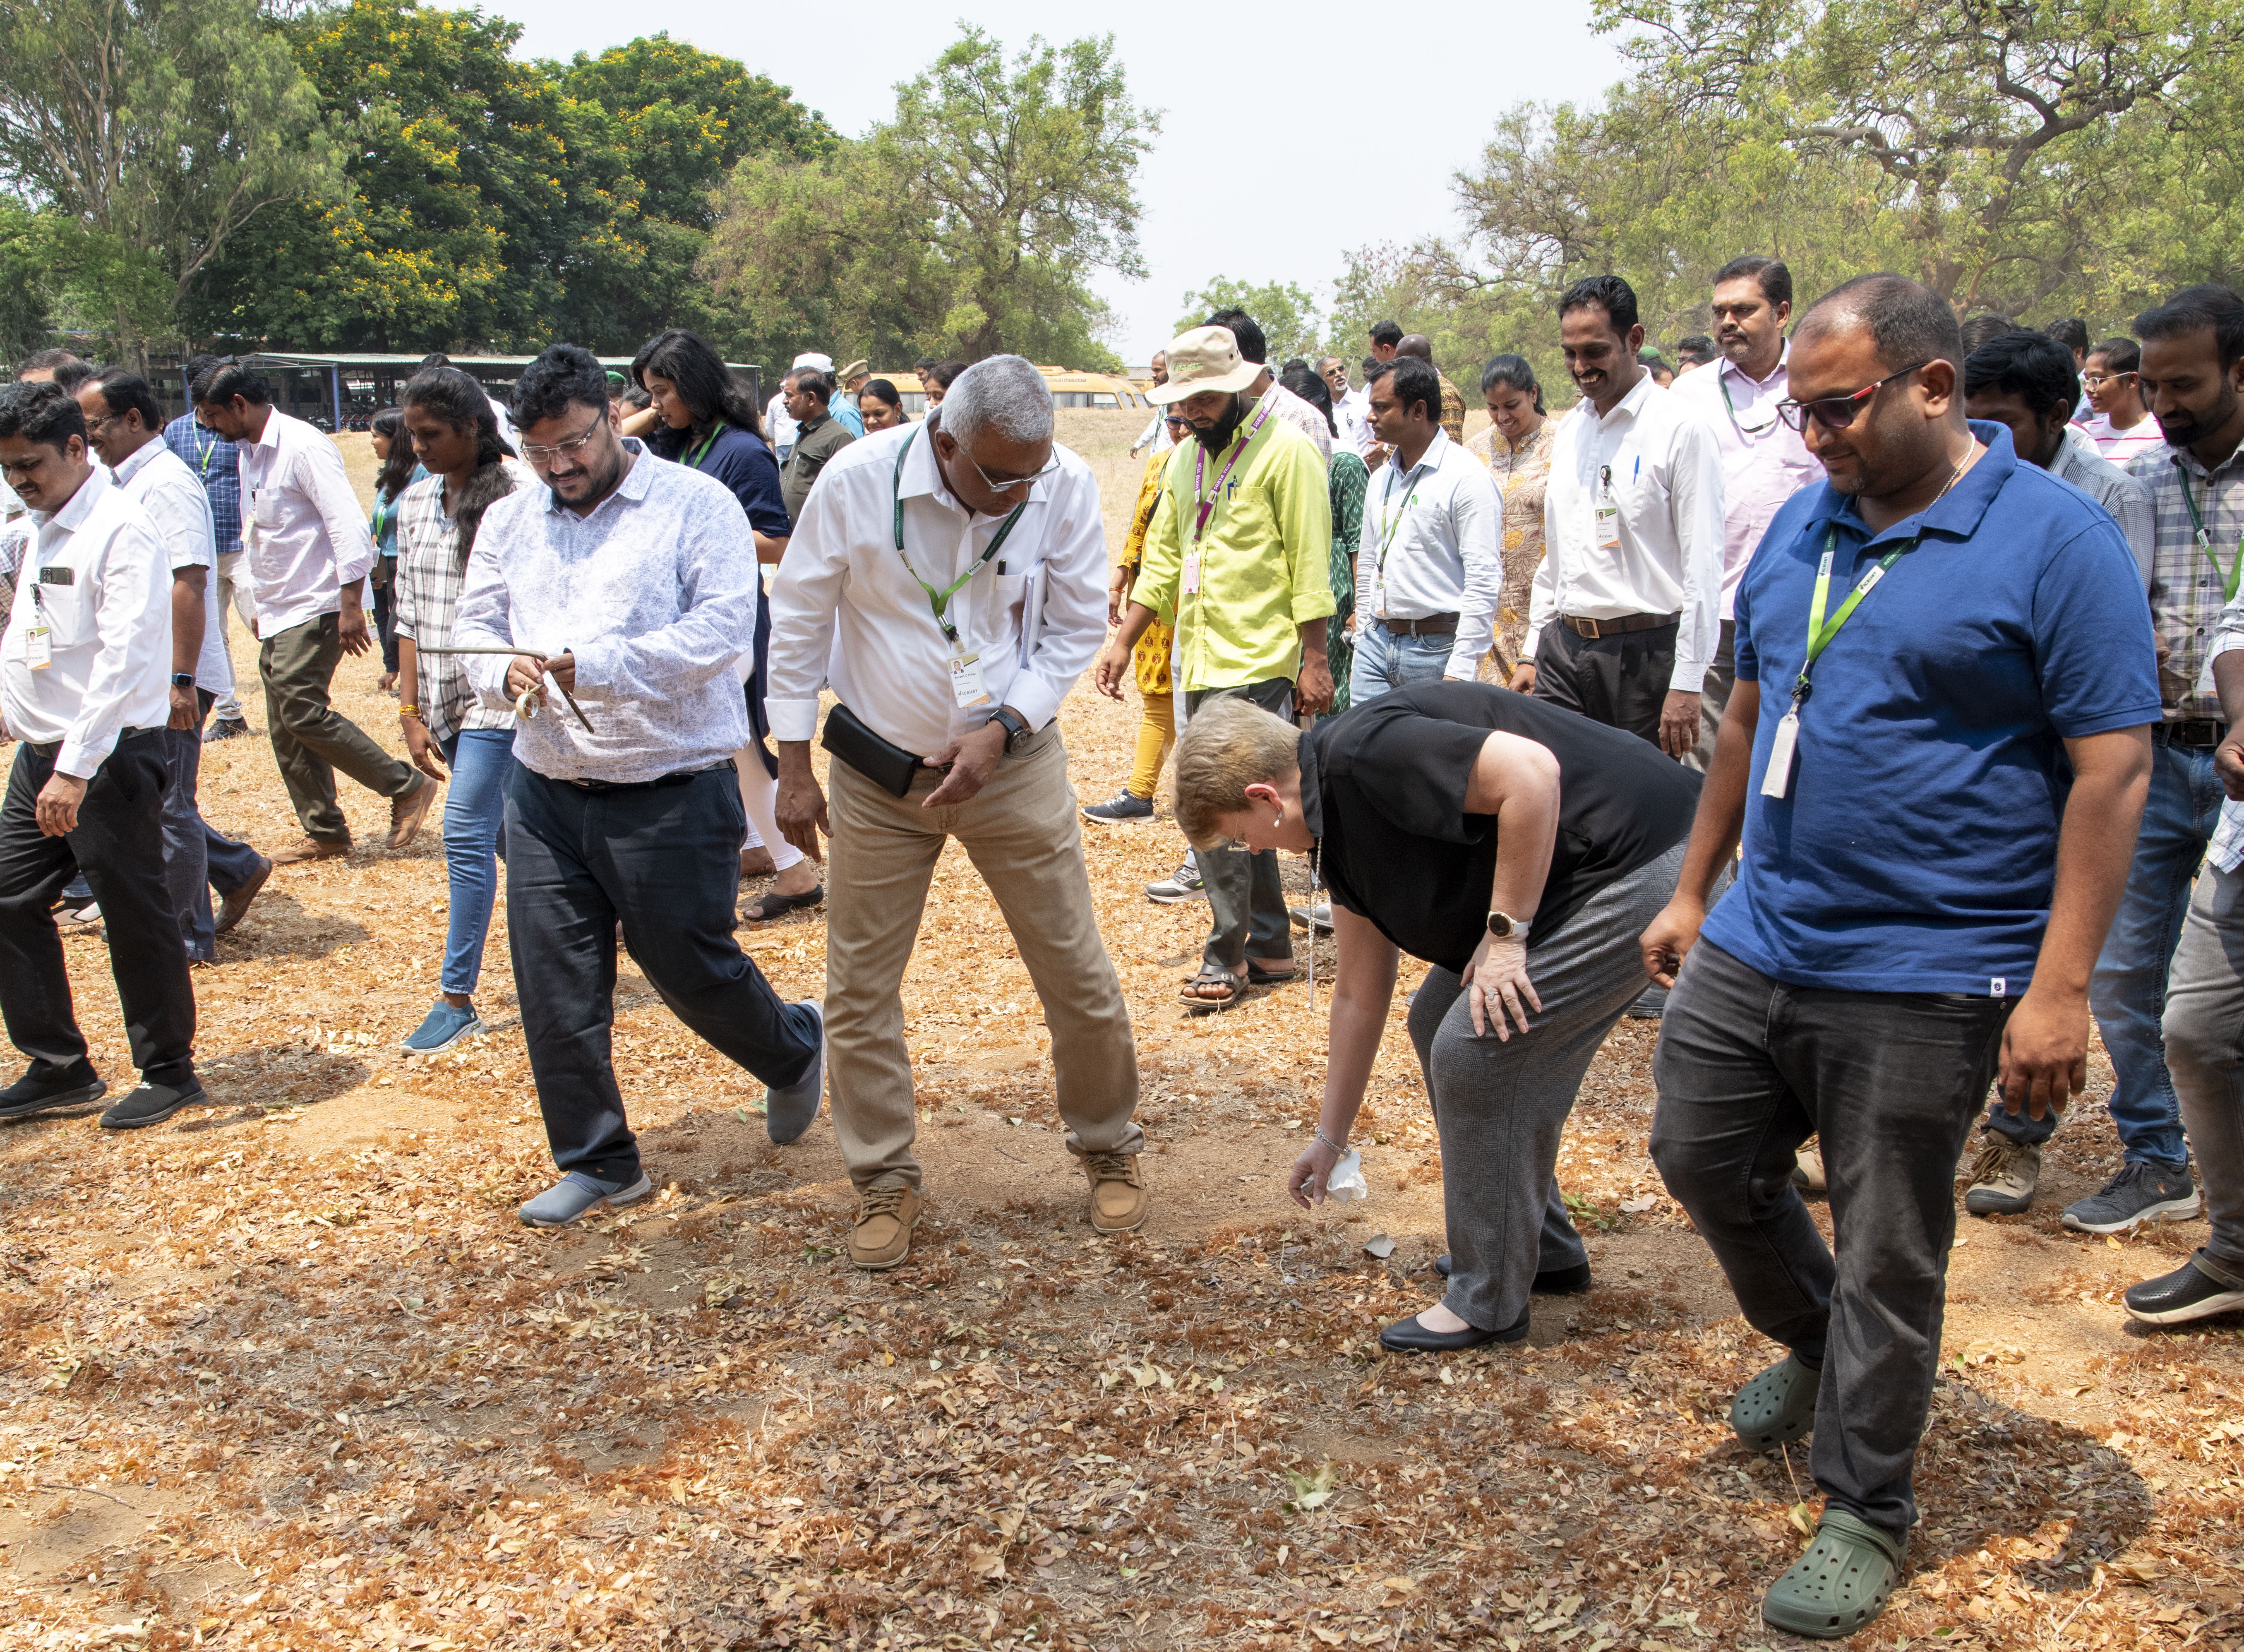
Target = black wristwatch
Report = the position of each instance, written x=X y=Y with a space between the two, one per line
x=183 y=680
x=1015 y=725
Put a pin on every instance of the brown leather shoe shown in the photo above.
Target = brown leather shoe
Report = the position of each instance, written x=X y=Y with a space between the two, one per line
x=407 y=812
x=885 y=1215
x=1118 y=1200
x=233 y=908
x=310 y=848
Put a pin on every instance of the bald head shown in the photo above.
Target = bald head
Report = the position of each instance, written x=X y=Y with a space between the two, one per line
x=1415 y=344
x=1907 y=322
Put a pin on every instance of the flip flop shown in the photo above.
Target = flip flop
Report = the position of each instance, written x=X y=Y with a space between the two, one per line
x=776 y=906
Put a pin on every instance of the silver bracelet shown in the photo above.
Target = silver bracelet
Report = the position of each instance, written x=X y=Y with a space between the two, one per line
x=1336 y=1146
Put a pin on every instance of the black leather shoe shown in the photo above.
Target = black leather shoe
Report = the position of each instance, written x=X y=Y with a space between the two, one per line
x=1411 y=1337
x=29 y=1097
x=1554 y=1282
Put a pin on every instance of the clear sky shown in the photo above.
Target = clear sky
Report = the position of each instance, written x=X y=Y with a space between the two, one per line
x=1289 y=132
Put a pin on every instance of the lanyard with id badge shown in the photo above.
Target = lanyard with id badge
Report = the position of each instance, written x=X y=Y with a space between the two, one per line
x=965 y=668
x=39 y=640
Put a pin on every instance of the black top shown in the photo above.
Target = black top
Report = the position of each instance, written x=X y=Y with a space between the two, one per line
x=1383 y=787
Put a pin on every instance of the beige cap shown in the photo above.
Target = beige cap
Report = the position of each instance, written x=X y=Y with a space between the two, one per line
x=1204 y=359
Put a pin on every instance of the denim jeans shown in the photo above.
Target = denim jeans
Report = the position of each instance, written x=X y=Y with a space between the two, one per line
x=475 y=808
x=664 y=861
x=2128 y=991
x=1746 y=1069
x=1385 y=661
x=196 y=858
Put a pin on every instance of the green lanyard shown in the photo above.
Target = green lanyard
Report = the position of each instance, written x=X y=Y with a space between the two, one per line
x=940 y=600
x=1820 y=631
x=2205 y=544
x=694 y=459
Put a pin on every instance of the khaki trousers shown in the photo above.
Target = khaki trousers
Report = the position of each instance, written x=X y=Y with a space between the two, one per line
x=1021 y=834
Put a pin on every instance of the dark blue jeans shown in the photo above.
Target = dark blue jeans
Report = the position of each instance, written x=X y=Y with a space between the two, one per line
x=1747 y=1068
x=196 y=858
x=2128 y=991
x=665 y=860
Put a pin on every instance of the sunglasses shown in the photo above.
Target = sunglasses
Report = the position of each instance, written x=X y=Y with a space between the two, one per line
x=1837 y=412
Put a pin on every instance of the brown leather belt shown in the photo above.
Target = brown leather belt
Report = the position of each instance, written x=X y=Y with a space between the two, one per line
x=1433 y=625
x=1595 y=628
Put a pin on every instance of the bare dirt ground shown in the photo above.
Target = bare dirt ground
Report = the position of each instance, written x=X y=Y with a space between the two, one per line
x=288 y=1373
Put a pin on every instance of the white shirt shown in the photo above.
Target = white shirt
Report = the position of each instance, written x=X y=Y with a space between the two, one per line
x=1653 y=463
x=173 y=498
x=300 y=524
x=845 y=607
x=1431 y=542
x=96 y=576
x=1765 y=461
x=2127 y=499
x=1352 y=413
x=2119 y=446
x=782 y=427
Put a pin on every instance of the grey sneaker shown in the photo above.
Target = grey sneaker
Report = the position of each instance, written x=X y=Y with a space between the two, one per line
x=2004 y=1177
x=1185 y=884
x=2139 y=1192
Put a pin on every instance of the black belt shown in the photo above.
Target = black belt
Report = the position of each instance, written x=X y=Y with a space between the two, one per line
x=1595 y=628
x=2197 y=734
x=681 y=777
x=1433 y=625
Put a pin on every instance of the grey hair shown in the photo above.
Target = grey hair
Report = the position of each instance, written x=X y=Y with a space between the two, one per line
x=1004 y=393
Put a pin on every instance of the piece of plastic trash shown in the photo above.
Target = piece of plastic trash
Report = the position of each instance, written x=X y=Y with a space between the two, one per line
x=1380 y=1246
x=1346 y=1182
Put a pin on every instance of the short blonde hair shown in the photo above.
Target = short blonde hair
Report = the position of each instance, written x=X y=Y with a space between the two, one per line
x=1227 y=746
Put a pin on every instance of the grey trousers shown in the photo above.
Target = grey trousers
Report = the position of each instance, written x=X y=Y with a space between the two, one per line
x=1747 y=1069
x=1501 y=1105
x=1714 y=698
x=2205 y=1053
x=1247 y=903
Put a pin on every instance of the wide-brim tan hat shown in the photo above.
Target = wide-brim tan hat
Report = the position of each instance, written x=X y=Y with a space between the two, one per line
x=1206 y=358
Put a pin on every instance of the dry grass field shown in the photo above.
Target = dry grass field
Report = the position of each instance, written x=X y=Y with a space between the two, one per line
x=288 y=1373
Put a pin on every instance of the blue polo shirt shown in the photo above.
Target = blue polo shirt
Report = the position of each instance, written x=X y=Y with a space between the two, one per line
x=1916 y=848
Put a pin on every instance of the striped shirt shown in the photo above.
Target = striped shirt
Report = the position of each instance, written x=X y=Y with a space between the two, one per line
x=2188 y=592
x=427 y=598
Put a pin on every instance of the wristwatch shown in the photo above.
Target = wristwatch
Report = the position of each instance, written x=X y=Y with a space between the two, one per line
x=1506 y=927
x=1015 y=725
x=183 y=680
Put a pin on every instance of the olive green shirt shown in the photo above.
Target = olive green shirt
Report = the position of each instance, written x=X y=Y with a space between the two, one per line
x=1264 y=557
x=813 y=446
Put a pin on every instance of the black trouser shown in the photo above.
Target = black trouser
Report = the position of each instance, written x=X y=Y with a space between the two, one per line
x=119 y=845
x=665 y=860
x=1621 y=680
x=1246 y=903
x=1747 y=1068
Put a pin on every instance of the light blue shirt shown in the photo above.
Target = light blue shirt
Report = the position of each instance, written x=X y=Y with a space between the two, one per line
x=655 y=592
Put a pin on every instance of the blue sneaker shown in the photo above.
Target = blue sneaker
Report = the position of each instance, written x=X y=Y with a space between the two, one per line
x=446 y=1026
x=788 y=1112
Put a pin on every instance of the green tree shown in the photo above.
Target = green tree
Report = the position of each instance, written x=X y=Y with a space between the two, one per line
x=966 y=226
x=478 y=194
x=151 y=133
x=1285 y=312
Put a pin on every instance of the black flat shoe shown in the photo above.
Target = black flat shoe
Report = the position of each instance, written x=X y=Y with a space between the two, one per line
x=1411 y=1337
x=1554 y=1282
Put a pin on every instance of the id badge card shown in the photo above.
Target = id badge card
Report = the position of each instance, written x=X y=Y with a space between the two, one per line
x=1191 y=574
x=40 y=647
x=966 y=681
x=1783 y=749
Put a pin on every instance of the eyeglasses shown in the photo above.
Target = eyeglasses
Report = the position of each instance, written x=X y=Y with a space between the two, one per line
x=1007 y=483
x=537 y=454
x=2098 y=381
x=1837 y=412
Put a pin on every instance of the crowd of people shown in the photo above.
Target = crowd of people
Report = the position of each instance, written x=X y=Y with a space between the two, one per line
x=1504 y=692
